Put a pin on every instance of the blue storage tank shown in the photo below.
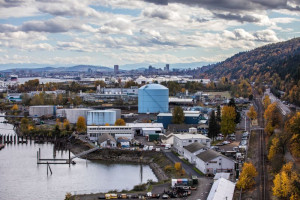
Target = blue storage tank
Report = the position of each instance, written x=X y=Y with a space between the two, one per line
x=101 y=117
x=153 y=98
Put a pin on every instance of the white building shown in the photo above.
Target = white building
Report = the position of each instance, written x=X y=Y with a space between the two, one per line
x=94 y=132
x=182 y=140
x=190 y=152
x=137 y=127
x=211 y=162
x=72 y=115
x=107 y=141
x=222 y=189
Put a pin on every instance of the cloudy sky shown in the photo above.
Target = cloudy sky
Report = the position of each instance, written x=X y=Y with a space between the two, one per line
x=108 y=32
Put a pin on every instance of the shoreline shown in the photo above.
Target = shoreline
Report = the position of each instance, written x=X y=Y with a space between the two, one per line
x=123 y=156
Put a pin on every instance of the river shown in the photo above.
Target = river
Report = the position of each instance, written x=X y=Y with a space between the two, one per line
x=22 y=178
x=43 y=80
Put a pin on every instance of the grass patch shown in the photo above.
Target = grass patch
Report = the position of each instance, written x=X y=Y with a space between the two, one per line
x=175 y=153
x=198 y=171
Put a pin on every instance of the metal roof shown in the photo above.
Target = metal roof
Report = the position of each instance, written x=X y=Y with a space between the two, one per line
x=190 y=136
x=209 y=155
x=153 y=86
x=196 y=146
x=221 y=189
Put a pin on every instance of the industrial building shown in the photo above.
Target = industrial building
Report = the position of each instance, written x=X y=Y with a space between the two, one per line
x=212 y=162
x=183 y=140
x=94 y=132
x=153 y=98
x=138 y=127
x=101 y=117
x=189 y=118
x=38 y=111
x=221 y=189
x=72 y=115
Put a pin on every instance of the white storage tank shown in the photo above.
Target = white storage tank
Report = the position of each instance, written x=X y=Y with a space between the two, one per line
x=101 y=117
x=73 y=114
x=38 y=111
x=153 y=98
x=118 y=112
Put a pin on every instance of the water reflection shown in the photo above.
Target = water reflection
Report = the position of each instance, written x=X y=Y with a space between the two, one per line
x=22 y=178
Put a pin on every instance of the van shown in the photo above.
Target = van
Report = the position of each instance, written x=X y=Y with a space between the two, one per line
x=168 y=146
x=157 y=149
x=150 y=148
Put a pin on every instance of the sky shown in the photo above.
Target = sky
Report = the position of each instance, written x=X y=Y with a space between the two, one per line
x=109 y=32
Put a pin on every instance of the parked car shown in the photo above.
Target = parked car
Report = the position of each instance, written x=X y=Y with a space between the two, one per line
x=215 y=148
x=244 y=142
x=165 y=196
x=226 y=142
x=220 y=138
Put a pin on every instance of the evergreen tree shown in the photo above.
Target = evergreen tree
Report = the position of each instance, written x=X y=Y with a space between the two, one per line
x=238 y=115
x=178 y=115
x=218 y=117
x=213 y=126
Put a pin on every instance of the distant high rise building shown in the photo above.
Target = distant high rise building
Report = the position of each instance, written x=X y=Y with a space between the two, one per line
x=167 y=67
x=116 y=69
x=90 y=71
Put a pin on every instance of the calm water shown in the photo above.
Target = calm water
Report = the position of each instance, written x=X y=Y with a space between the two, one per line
x=22 y=178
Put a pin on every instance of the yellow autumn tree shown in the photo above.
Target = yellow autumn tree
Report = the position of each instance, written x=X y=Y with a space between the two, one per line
x=81 y=125
x=228 y=120
x=246 y=179
x=66 y=124
x=273 y=118
x=106 y=124
x=177 y=166
x=15 y=107
x=266 y=101
x=120 y=122
x=285 y=183
x=292 y=127
x=274 y=149
x=252 y=114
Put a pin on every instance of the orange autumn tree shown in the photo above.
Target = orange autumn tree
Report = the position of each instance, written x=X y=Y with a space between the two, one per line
x=273 y=118
x=120 y=122
x=266 y=101
x=292 y=128
x=252 y=114
x=286 y=183
x=81 y=125
x=246 y=179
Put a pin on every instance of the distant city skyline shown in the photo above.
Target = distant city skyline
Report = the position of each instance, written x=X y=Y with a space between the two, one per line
x=120 y=32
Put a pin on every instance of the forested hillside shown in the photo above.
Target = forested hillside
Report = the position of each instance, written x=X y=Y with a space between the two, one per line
x=275 y=64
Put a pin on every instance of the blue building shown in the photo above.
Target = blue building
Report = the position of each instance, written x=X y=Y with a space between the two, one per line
x=153 y=98
x=189 y=118
x=101 y=117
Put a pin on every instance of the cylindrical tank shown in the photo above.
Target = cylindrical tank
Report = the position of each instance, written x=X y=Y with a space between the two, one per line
x=153 y=98
x=73 y=114
x=101 y=117
x=38 y=111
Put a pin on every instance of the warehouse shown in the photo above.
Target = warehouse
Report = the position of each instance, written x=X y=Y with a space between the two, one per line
x=72 y=114
x=94 y=132
x=137 y=127
x=101 y=117
x=189 y=118
x=153 y=98
x=212 y=162
x=38 y=111
x=221 y=189
x=182 y=140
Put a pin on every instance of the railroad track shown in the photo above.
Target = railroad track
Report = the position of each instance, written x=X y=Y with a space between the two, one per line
x=262 y=193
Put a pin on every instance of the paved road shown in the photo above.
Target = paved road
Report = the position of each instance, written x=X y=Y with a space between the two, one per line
x=283 y=108
x=188 y=169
